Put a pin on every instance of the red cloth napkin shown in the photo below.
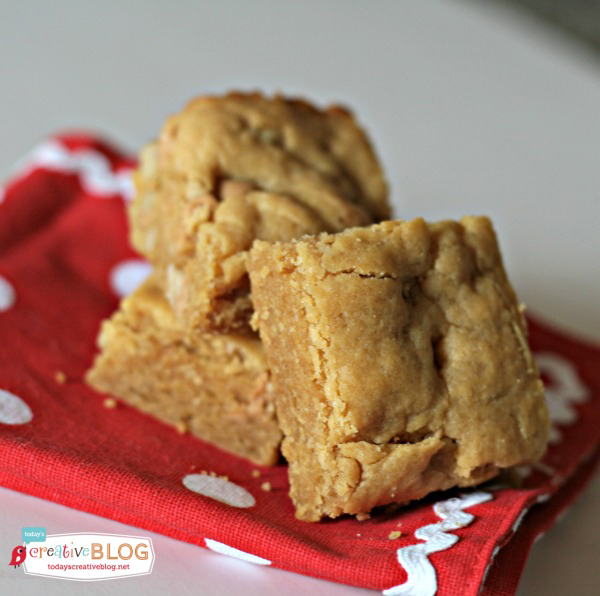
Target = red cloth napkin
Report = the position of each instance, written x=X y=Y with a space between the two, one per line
x=64 y=263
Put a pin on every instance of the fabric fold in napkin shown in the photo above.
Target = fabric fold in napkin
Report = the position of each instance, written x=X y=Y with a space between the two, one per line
x=65 y=262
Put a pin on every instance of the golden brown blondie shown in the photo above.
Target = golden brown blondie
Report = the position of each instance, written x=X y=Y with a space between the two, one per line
x=227 y=170
x=399 y=360
x=217 y=387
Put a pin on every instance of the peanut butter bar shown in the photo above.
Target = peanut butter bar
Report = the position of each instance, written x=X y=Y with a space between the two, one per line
x=217 y=387
x=227 y=170
x=400 y=363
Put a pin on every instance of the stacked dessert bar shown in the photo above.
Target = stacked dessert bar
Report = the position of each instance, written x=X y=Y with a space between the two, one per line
x=392 y=357
x=224 y=172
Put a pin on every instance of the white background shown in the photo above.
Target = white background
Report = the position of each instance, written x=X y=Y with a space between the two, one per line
x=473 y=108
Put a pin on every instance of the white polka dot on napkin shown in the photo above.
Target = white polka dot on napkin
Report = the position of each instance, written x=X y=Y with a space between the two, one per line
x=219 y=489
x=7 y=294
x=126 y=276
x=219 y=547
x=13 y=410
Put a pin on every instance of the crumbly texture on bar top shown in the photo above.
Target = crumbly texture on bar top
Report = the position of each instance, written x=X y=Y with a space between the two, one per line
x=400 y=362
x=217 y=387
x=227 y=170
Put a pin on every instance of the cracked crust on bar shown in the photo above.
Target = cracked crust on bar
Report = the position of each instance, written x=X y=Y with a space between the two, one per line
x=227 y=170
x=400 y=363
x=216 y=387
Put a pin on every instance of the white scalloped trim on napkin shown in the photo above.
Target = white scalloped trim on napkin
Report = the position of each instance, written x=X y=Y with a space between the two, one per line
x=422 y=579
x=92 y=167
x=567 y=390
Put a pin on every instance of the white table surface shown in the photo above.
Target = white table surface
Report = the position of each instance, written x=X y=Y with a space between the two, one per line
x=474 y=109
